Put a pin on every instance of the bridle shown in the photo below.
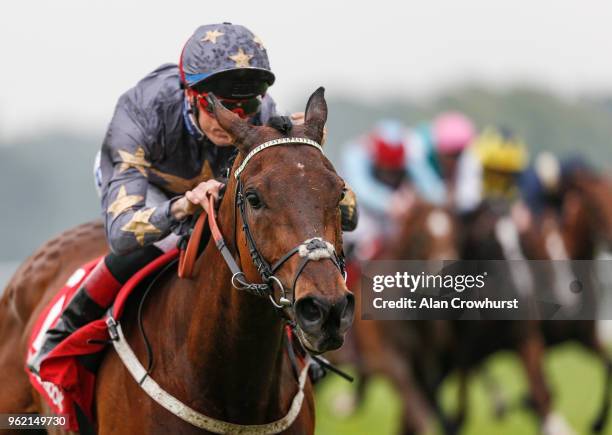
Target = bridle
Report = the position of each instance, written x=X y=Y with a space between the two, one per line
x=312 y=249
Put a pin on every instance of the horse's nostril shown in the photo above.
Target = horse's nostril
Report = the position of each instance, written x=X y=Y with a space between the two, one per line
x=350 y=305
x=348 y=311
x=310 y=311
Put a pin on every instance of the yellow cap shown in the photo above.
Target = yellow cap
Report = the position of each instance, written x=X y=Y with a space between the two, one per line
x=498 y=151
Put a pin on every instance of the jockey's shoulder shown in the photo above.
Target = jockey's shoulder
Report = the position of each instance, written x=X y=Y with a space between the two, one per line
x=158 y=90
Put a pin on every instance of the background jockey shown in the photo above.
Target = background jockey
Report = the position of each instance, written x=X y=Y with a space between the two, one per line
x=490 y=169
x=540 y=184
x=451 y=133
x=380 y=167
x=161 y=154
x=543 y=184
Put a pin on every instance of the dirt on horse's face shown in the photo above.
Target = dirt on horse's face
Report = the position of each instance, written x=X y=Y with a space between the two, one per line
x=292 y=194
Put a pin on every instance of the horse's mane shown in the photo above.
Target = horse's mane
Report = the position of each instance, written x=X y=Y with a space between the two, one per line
x=282 y=124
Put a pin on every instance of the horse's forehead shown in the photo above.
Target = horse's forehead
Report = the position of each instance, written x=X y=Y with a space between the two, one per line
x=291 y=164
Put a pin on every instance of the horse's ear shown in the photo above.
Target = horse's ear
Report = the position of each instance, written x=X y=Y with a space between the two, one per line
x=230 y=122
x=316 y=115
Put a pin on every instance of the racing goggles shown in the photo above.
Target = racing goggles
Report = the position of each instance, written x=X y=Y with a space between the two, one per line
x=245 y=108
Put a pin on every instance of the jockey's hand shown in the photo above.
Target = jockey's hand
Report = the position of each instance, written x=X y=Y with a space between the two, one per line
x=196 y=198
x=297 y=118
x=199 y=195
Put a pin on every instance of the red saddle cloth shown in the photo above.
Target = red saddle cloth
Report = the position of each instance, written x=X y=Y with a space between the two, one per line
x=64 y=381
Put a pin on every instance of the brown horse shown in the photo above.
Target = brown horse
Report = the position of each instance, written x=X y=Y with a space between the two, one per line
x=575 y=232
x=395 y=349
x=462 y=346
x=492 y=233
x=218 y=350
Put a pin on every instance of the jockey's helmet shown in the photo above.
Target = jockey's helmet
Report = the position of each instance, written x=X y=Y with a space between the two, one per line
x=387 y=145
x=500 y=150
x=452 y=132
x=226 y=59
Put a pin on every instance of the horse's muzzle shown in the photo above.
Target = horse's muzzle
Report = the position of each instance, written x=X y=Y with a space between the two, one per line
x=324 y=322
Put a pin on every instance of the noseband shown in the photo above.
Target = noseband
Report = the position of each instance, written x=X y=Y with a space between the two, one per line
x=313 y=249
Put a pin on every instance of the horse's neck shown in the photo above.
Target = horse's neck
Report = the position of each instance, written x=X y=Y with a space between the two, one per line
x=578 y=229
x=232 y=339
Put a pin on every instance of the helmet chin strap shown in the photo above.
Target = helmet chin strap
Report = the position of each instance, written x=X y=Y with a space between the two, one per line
x=190 y=115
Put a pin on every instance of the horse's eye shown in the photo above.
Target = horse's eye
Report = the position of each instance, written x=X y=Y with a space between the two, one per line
x=343 y=194
x=253 y=199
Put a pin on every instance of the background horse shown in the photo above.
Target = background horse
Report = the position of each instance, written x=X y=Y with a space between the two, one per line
x=576 y=232
x=490 y=233
x=217 y=349
x=398 y=350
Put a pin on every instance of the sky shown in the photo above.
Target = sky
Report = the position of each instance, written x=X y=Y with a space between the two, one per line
x=65 y=63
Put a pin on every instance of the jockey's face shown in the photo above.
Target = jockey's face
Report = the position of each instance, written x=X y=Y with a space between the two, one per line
x=448 y=165
x=391 y=177
x=213 y=131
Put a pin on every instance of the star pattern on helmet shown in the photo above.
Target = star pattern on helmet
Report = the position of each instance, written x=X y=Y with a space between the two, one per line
x=177 y=184
x=140 y=226
x=241 y=59
x=211 y=36
x=257 y=40
x=136 y=161
x=123 y=202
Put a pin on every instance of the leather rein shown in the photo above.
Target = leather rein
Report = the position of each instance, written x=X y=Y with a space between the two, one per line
x=313 y=249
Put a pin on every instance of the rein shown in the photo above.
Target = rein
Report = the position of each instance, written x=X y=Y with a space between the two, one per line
x=313 y=249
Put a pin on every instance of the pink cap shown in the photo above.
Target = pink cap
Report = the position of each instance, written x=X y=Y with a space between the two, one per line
x=452 y=132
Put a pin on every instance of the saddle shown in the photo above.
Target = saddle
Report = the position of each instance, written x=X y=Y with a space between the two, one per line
x=69 y=371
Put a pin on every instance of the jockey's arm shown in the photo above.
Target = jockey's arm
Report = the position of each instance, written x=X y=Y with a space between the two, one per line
x=129 y=222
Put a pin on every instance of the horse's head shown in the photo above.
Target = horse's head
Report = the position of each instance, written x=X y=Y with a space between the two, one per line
x=288 y=200
x=425 y=232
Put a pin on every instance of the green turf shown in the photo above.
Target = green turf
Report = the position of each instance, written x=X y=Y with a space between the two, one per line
x=576 y=378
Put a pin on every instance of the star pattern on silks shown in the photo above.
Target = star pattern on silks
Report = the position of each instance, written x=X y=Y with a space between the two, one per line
x=211 y=36
x=257 y=40
x=123 y=202
x=241 y=59
x=136 y=161
x=178 y=184
x=140 y=226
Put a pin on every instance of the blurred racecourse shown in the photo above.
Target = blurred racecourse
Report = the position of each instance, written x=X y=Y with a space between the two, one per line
x=576 y=379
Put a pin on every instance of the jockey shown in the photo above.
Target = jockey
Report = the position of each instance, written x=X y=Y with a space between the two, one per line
x=494 y=163
x=543 y=184
x=379 y=167
x=161 y=154
x=540 y=184
x=452 y=133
